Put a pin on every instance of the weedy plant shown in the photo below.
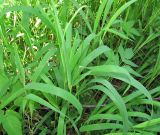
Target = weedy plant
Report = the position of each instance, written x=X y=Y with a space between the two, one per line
x=79 y=67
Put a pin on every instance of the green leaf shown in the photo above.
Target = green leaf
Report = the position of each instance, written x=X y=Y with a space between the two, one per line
x=120 y=74
x=1 y=58
x=119 y=133
x=4 y=83
x=148 y=123
x=19 y=66
x=1 y=116
x=53 y=90
x=11 y=98
x=100 y=126
x=111 y=92
x=11 y=123
x=41 y=101
x=105 y=116
x=117 y=13
x=118 y=33
x=129 y=53
x=105 y=3
x=94 y=54
x=61 y=121
x=42 y=64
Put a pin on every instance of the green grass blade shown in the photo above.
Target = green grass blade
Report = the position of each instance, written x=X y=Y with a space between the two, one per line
x=99 y=14
x=121 y=74
x=75 y=3
x=51 y=89
x=41 y=101
x=118 y=12
x=94 y=54
x=61 y=121
x=42 y=64
x=19 y=65
x=105 y=116
x=101 y=126
x=115 y=97
x=149 y=123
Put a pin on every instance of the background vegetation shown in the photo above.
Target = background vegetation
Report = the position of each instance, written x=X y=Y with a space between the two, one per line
x=79 y=67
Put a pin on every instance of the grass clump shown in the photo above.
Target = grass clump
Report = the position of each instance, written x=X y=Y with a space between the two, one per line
x=79 y=67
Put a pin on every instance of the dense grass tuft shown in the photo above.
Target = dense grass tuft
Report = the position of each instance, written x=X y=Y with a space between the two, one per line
x=79 y=67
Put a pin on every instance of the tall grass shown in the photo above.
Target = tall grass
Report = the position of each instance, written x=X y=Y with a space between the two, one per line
x=79 y=67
